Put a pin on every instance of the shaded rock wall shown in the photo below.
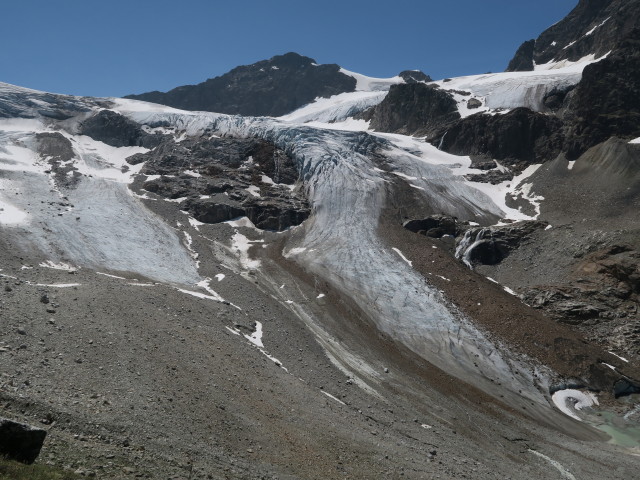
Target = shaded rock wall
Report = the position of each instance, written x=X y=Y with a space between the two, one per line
x=269 y=87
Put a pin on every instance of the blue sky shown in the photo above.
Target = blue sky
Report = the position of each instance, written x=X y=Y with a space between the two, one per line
x=115 y=47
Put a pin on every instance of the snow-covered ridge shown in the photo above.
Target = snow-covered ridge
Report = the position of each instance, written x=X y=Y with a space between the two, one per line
x=372 y=84
x=508 y=90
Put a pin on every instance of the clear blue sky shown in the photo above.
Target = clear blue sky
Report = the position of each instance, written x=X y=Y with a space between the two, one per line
x=115 y=47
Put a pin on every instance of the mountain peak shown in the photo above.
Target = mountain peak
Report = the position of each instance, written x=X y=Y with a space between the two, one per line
x=271 y=87
x=593 y=27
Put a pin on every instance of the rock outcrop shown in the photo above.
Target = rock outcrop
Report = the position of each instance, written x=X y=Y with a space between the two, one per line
x=414 y=76
x=491 y=245
x=271 y=87
x=518 y=138
x=219 y=179
x=413 y=109
x=594 y=27
x=117 y=130
x=606 y=102
x=19 y=441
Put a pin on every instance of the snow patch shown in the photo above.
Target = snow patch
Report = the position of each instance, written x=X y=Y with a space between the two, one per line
x=333 y=398
x=241 y=245
x=566 y=474
x=409 y=262
x=58 y=266
x=576 y=398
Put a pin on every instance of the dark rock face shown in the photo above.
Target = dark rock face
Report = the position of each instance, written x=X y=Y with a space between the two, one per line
x=519 y=138
x=20 y=442
x=117 y=130
x=554 y=100
x=435 y=226
x=268 y=88
x=413 y=108
x=592 y=27
x=605 y=285
x=606 y=102
x=225 y=178
x=414 y=76
x=489 y=246
x=523 y=59
x=56 y=150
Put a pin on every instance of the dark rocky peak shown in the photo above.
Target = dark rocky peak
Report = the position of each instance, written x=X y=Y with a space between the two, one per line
x=414 y=76
x=523 y=59
x=593 y=27
x=413 y=108
x=606 y=102
x=271 y=87
x=518 y=138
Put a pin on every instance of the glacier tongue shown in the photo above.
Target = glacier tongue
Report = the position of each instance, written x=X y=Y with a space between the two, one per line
x=348 y=192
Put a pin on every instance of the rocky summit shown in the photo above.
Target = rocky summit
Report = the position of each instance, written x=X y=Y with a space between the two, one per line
x=296 y=271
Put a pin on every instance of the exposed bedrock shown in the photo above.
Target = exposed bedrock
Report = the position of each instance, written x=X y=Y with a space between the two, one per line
x=413 y=108
x=414 y=76
x=491 y=245
x=523 y=59
x=593 y=27
x=219 y=179
x=604 y=285
x=271 y=87
x=518 y=138
x=606 y=102
x=117 y=130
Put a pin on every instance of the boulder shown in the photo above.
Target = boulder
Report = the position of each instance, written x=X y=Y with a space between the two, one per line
x=435 y=226
x=19 y=441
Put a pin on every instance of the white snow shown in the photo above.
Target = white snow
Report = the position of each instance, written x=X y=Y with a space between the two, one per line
x=508 y=90
x=338 y=108
x=333 y=398
x=58 y=266
x=510 y=291
x=253 y=190
x=409 y=262
x=597 y=26
x=10 y=215
x=621 y=358
x=371 y=84
x=293 y=251
x=569 y=400
x=220 y=276
x=256 y=337
x=112 y=276
x=322 y=295
x=241 y=245
x=571 y=164
x=59 y=285
x=241 y=222
x=635 y=140
x=195 y=223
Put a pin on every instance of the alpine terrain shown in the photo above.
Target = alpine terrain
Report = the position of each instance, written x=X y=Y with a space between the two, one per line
x=295 y=271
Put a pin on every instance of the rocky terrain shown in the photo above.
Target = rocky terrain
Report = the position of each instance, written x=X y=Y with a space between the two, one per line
x=396 y=278
x=270 y=87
